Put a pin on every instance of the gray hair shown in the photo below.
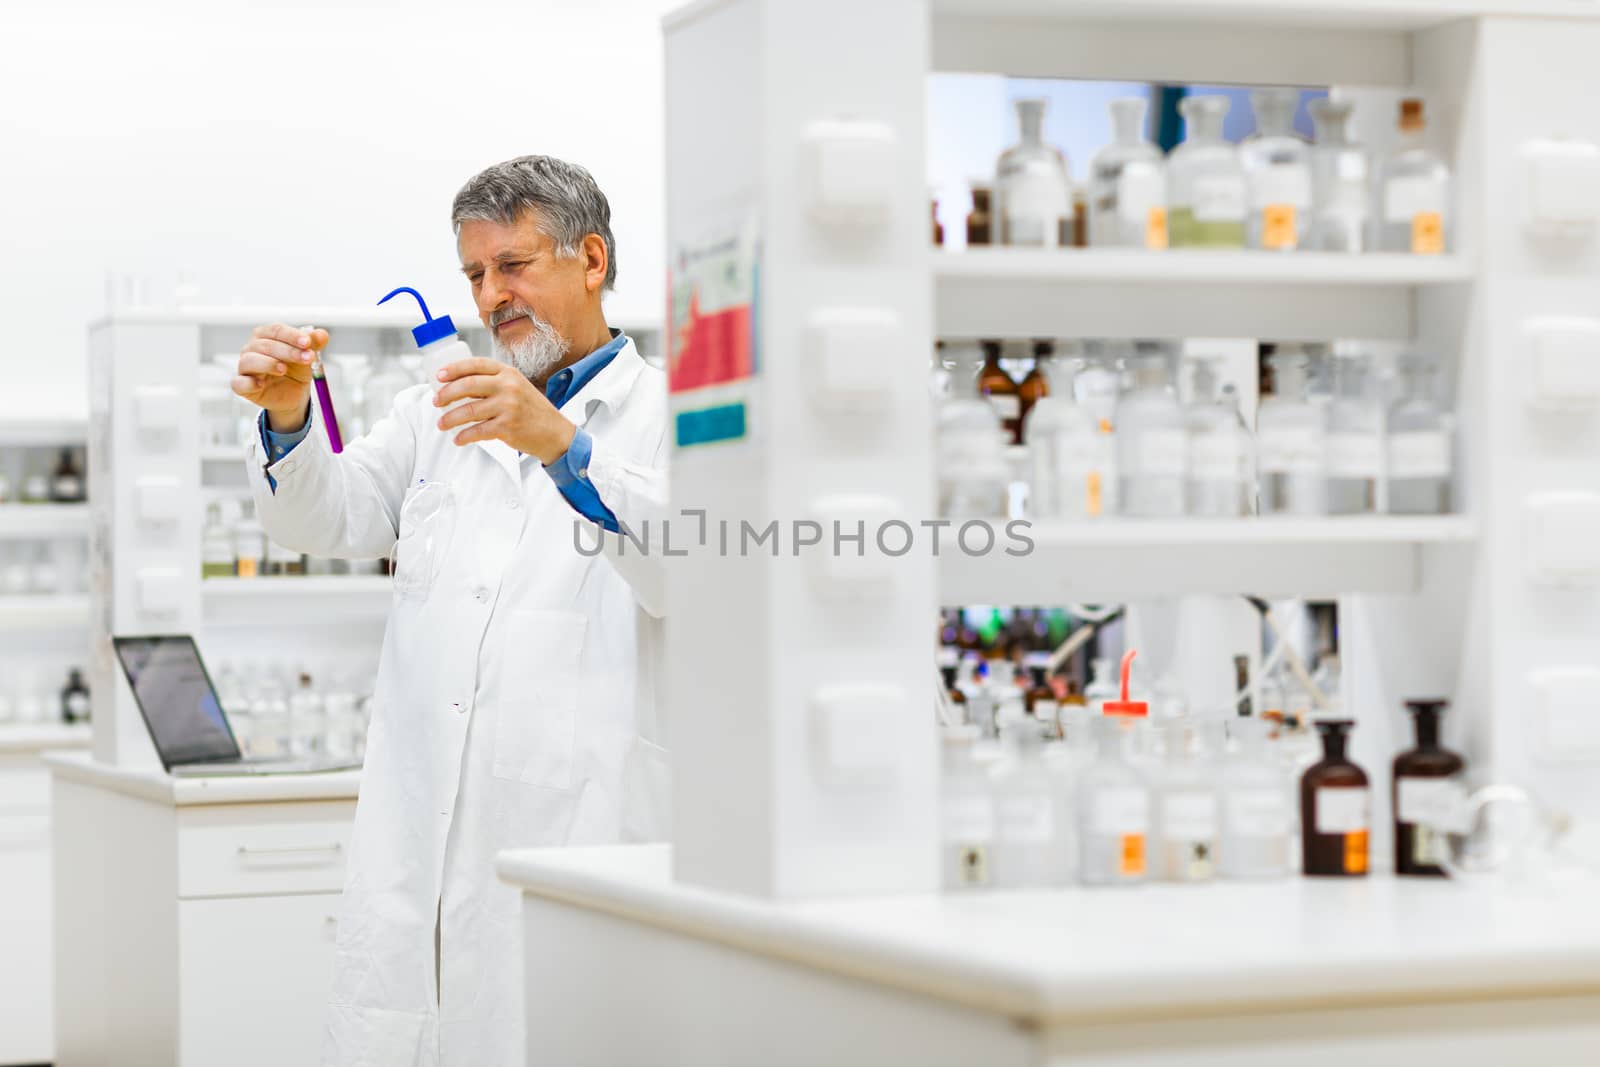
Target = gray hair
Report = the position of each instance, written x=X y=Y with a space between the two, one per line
x=569 y=204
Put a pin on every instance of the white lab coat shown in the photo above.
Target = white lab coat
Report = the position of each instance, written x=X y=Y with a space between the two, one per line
x=515 y=703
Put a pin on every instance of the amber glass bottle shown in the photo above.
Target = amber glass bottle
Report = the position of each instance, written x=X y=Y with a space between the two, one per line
x=1036 y=385
x=938 y=227
x=1335 y=808
x=1427 y=783
x=996 y=384
x=980 y=223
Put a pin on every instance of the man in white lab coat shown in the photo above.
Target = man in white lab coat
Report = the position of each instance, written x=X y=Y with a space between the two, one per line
x=515 y=702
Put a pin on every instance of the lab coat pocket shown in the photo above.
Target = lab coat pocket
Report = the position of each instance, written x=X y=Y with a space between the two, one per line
x=538 y=701
x=427 y=519
x=646 y=793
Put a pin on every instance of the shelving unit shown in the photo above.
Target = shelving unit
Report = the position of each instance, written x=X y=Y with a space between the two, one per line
x=35 y=610
x=1014 y=292
x=243 y=601
x=1122 y=560
x=32 y=522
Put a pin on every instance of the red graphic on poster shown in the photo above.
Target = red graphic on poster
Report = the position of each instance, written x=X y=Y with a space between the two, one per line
x=710 y=349
x=711 y=299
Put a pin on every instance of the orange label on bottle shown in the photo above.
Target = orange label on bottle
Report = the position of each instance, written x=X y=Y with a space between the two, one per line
x=1355 y=852
x=1105 y=425
x=247 y=567
x=1155 y=228
x=1277 y=227
x=1093 y=502
x=1132 y=855
x=1427 y=233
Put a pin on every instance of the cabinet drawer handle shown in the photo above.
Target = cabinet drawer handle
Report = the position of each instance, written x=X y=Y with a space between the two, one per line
x=246 y=850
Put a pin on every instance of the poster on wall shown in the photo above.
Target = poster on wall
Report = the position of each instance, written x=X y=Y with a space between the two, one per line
x=712 y=324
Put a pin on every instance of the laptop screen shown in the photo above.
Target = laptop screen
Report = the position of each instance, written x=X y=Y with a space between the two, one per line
x=176 y=698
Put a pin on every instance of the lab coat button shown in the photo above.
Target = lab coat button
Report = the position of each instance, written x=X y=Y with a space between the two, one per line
x=513 y=503
x=482 y=595
x=461 y=709
x=583 y=472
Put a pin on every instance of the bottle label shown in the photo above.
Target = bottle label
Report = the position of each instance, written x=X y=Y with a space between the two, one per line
x=1352 y=173
x=1278 y=231
x=1354 y=455
x=68 y=488
x=1130 y=855
x=1160 y=454
x=1436 y=802
x=1120 y=812
x=1406 y=198
x=1341 y=810
x=967 y=817
x=1257 y=812
x=974 y=865
x=1283 y=184
x=1094 y=503
x=1291 y=450
x=247 y=567
x=77 y=706
x=1032 y=213
x=1427 y=233
x=1140 y=187
x=1006 y=405
x=1189 y=816
x=1156 y=236
x=1027 y=818
x=1419 y=454
x=1216 y=457
x=1219 y=198
x=1355 y=852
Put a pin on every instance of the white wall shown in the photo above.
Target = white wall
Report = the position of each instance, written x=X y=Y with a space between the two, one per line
x=300 y=151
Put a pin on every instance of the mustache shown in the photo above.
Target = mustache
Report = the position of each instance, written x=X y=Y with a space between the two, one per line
x=513 y=312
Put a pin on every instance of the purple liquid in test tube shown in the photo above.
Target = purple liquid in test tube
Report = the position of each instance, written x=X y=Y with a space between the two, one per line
x=319 y=381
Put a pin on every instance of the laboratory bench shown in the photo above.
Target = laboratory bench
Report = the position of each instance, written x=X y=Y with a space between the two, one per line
x=1304 y=971
x=25 y=985
x=202 y=913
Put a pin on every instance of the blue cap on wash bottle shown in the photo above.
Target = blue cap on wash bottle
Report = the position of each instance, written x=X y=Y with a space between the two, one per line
x=432 y=329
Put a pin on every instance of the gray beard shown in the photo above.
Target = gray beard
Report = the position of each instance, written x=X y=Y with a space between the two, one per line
x=537 y=354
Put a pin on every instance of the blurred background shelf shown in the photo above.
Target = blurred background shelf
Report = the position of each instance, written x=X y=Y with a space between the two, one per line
x=28 y=611
x=43 y=521
x=307 y=598
x=1126 y=559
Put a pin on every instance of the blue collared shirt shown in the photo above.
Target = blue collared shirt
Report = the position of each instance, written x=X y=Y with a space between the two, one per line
x=570 y=471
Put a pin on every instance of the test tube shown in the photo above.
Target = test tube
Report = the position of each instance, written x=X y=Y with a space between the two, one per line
x=319 y=381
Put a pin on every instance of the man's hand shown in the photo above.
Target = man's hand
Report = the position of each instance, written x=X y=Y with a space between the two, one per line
x=275 y=372
x=503 y=405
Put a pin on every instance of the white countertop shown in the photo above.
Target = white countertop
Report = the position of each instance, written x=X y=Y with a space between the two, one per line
x=158 y=786
x=1078 y=954
x=38 y=737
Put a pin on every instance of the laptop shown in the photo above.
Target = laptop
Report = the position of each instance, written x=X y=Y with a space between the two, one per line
x=184 y=716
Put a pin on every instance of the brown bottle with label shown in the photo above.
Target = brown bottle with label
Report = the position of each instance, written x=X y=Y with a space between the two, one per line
x=938 y=227
x=1427 y=781
x=995 y=384
x=1335 y=808
x=1036 y=386
x=980 y=221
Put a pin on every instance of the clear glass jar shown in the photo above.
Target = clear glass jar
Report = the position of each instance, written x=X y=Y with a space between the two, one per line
x=1205 y=182
x=1341 y=181
x=1257 y=819
x=1114 y=807
x=1277 y=167
x=1291 y=442
x=1028 y=850
x=1187 y=821
x=1070 y=460
x=1355 y=436
x=1152 y=441
x=1413 y=210
x=1128 y=184
x=1033 y=193
x=970 y=448
x=966 y=811
x=1219 y=449
x=1420 y=464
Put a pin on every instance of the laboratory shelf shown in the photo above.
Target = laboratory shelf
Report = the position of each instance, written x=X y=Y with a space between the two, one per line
x=310 y=599
x=222 y=453
x=43 y=521
x=44 y=610
x=1128 y=559
x=1018 y=292
x=1230 y=42
x=43 y=736
x=29 y=431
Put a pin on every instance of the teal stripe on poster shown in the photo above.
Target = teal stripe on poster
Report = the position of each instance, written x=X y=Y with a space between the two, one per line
x=726 y=422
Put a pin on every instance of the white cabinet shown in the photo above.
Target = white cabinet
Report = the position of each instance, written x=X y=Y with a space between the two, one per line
x=255 y=975
x=204 y=914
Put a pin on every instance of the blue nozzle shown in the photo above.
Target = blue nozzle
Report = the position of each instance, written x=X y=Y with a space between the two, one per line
x=432 y=329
